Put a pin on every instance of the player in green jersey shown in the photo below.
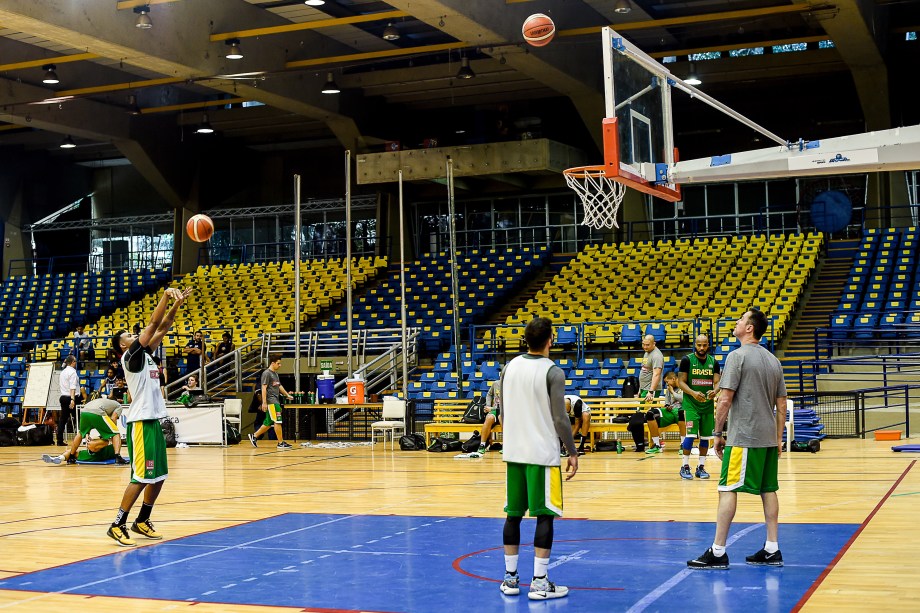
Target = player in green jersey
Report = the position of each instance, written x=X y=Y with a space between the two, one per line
x=698 y=377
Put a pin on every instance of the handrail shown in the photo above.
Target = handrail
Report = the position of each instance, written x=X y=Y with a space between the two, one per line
x=895 y=337
x=900 y=363
x=227 y=367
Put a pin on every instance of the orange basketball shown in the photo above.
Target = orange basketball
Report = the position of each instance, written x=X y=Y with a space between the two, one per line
x=538 y=30
x=199 y=228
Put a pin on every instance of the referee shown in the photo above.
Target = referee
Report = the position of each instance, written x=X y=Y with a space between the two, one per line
x=69 y=384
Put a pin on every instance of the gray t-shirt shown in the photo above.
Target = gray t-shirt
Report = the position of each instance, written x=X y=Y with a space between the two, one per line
x=756 y=377
x=272 y=383
x=652 y=360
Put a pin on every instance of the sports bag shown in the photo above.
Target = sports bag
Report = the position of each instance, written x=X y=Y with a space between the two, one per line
x=444 y=444
x=232 y=434
x=471 y=444
x=475 y=411
x=630 y=386
x=38 y=436
x=169 y=432
x=412 y=442
x=812 y=445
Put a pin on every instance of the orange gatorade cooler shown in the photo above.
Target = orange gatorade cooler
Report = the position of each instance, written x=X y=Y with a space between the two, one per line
x=355 y=391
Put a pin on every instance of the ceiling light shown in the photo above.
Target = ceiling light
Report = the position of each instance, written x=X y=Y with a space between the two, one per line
x=133 y=108
x=390 y=32
x=315 y=2
x=622 y=7
x=234 y=53
x=205 y=127
x=692 y=78
x=68 y=143
x=143 y=18
x=50 y=77
x=465 y=71
x=330 y=87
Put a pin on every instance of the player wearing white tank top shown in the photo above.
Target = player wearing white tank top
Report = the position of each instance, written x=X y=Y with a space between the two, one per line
x=146 y=444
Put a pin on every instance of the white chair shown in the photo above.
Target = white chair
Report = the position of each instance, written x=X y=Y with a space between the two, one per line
x=394 y=419
x=233 y=413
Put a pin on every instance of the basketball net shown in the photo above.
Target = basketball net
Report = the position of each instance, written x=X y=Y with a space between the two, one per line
x=600 y=196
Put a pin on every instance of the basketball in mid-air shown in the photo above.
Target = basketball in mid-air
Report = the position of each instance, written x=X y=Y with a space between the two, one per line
x=199 y=228
x=538 y=30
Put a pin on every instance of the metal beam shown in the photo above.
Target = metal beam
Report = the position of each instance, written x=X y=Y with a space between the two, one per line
x=310 y=25
x=58 y=59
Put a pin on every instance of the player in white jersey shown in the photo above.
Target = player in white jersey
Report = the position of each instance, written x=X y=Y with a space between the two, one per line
x=146 y=444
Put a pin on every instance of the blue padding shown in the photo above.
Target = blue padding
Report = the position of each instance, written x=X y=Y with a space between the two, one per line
x=721 y=160
x=111 y=461
x=911 y=448
x=814 y=144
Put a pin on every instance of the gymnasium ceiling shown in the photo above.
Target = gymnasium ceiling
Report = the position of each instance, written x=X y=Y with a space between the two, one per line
x=407 y=89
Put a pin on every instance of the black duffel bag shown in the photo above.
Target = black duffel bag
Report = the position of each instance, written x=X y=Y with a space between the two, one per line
x=412 y=442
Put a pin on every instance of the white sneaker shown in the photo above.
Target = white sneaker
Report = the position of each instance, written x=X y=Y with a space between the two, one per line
x=52 y=459
x=544 y=589
x=252 y=440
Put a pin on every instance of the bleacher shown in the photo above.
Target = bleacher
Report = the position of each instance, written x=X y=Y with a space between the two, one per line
x=881 y=294
x=486 y=278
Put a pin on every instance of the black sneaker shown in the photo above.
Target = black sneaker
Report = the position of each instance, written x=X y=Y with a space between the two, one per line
x=121 y=460
x=284 y=445
x=762 y=558
x=709 y=561
x=71 y=459
x=252 y=441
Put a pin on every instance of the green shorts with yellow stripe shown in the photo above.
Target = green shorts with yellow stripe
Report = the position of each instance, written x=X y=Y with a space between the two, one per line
x=754 y=471
x=103 y=455
x=147 y=451
x=102 y=423
x=272 y=415
x=538 y=488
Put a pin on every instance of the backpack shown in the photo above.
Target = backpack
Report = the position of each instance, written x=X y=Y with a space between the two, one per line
x=630 y=387
x=40 y=435
x=475 y=411
x=471 y=444
x=812 y=445
x=231 y=433
x=444 y=444
x=412 y=442
x=169 y=432
x=8 y=426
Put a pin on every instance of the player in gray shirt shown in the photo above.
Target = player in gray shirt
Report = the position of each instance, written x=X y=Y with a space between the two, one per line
x=752 y=385
x=652 y=365
x=271 y=402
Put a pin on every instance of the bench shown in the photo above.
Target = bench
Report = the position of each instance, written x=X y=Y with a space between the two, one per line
x=447 y=416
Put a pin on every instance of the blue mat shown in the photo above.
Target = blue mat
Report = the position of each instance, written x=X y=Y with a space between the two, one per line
x=909 y=448
x=450 y=565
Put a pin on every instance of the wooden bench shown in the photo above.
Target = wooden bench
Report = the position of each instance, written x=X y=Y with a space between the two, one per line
x=447 y=416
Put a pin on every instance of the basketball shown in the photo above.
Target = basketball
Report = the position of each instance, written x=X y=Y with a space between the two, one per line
x=538 y=30
x=199 y=228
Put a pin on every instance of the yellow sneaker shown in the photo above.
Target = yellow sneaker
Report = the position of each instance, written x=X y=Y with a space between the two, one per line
x=120 y=535
x=145 y=528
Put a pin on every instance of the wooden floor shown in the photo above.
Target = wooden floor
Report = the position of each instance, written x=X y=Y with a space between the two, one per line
x=53 y=515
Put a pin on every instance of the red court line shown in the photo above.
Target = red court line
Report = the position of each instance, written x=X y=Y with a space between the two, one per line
x=814 y=586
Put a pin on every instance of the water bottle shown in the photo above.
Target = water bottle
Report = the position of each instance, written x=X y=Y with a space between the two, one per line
x=619 y=447
x=124 y=399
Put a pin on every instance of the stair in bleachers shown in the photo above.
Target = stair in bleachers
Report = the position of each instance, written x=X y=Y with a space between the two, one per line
x=822 y=302
x=556 y=263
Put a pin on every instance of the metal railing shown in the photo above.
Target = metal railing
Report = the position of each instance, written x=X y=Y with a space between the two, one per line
x=225 y=374
x=896 y=339
x=894 y=369
x=858 y=413
x=317 y=249
x=91 y=262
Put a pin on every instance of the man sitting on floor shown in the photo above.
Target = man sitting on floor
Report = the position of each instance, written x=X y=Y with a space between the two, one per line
x=103 y=442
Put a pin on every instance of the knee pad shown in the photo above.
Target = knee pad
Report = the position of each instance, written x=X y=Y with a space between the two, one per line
x=543 y=536
x=704 y=443
x=680 y=415
x=687 y=443
x=651 y=415
x=511 y=534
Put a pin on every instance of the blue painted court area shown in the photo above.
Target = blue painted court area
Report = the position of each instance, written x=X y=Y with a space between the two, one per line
x=412 y=564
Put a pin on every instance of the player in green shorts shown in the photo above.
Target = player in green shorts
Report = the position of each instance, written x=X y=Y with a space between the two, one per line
x=671 y=413
x=98 y=427
x=271 y=403
x=698 y=378
x=493 y=402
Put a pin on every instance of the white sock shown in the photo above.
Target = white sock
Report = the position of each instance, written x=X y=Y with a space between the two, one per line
x=685 y=460
x=511 y=563
x=718 y=550
x=656 y=440
x=771 y=547
x=702 y=459
x=539 y=566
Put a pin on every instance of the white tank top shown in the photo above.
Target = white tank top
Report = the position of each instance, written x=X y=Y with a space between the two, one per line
x=146 y=398
x=528 y=432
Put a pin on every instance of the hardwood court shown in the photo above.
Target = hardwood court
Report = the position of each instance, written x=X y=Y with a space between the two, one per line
x=56 y=515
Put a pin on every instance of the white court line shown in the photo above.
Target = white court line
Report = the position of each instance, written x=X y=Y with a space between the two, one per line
x=180 y=561
x=662 y=589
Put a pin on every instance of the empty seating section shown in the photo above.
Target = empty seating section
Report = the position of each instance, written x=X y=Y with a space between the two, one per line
x=41 y=308
x=882 y=293
x=244 y=299
x=485 y=279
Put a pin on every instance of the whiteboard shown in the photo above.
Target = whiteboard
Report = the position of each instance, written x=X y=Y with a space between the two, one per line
x=42 y=387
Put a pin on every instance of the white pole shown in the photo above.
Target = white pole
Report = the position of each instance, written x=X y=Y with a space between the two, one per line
x=297 y=310
x=402 y=291
x=454 y=276
x=348 y=304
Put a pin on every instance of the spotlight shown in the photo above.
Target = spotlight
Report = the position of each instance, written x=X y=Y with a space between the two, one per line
x=622 y=7
x=50 y=77
x=465 y=71
x=143 y=17
x=234 y=53
x=205 y=127
x=68 y=143
x=692 y=79
x=133 y=108
x=390 y=32
x=330 y=87
x=315 y=2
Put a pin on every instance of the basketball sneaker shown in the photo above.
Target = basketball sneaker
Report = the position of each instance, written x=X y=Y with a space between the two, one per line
x=511 y=586
x=120 y=534
x=483 y=449
x=145 y=528
x=543 y=589
x=685 y=472
x=709 y=561
x=654 y=449
x=762 y=558
x=121 y=460
x=701 y=473
x=284 y=445
x=52 y=459
x=252 y=440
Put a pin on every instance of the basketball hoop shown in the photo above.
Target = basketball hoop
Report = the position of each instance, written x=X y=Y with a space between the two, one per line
x=600 y=195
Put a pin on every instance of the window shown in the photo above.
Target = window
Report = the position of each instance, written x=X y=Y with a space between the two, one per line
x=746 y=52
x=910 y=36
x=669 y=59
x=790 y=48
x=826 y=44
x=709 y=55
